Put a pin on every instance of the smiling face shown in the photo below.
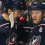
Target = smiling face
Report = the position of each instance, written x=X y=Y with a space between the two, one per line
x=36 y=16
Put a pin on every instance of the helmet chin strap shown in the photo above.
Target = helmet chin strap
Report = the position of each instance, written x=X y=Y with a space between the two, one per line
x=11 y=19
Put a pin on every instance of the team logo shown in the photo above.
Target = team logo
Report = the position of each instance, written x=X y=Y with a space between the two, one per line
x=35 y=40
x=12 y=39
x=40 y=29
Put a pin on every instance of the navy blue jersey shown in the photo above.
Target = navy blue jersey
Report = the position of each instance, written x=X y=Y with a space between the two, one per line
x=26 y=31
x=37 y=33
x=23 y=32
x=4 y=30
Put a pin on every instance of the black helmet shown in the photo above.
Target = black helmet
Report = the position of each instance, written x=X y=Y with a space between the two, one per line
x=13 y=4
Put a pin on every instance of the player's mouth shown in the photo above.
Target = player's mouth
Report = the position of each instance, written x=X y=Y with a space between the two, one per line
x=34 y=19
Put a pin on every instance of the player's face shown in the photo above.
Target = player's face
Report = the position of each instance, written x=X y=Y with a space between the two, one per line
x=36 y=16
x=17 y=14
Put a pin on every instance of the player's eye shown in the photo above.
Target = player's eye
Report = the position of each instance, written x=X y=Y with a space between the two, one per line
x=32 y=13
x=37 y=13
x=18 y=12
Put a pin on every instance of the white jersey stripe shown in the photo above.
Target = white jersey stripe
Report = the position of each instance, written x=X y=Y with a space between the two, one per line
x=33 y=27
x=4 y=24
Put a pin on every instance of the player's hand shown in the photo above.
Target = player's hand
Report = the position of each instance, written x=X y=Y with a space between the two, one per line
x=23 y=18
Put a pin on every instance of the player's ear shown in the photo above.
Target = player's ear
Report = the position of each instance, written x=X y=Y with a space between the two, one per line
x=9 y=11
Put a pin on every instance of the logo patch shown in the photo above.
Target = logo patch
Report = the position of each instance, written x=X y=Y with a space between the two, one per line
x=35 y=40
x=40 y=29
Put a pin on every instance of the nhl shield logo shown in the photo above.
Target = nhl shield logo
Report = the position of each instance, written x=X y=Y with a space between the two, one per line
x=40 y=29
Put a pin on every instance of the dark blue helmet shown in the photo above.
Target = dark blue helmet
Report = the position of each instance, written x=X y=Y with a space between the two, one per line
x=35 y=3
x=36 y=6
x=43 y=5
x=13 y=4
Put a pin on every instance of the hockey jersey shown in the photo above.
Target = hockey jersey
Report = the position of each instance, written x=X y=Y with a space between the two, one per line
x=5 y=30
x=37 y=33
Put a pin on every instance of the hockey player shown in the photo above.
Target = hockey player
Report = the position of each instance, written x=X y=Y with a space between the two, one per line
x=5 y=25
x=37 y=33
x=36 y=28
x=22 y=35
